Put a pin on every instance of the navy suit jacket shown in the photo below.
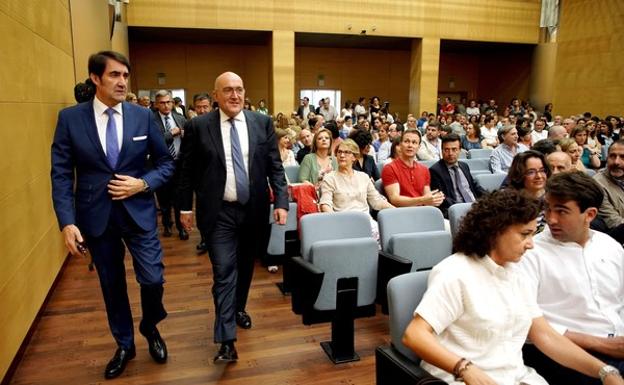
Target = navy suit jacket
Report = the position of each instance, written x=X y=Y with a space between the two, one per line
x=441 y=180
x=79 y=159
x=203 y=168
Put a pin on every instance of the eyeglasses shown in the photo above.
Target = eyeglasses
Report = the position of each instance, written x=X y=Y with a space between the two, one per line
x=533 y=172
x=343 y=152
x=229 y=90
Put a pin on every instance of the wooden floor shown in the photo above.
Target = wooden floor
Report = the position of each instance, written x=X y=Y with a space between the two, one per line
x=72 y=343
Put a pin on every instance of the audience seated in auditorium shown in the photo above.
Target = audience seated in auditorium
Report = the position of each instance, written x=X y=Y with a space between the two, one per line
x=576 y=274
x=590 y=158
x=405 y=181
x=383 y=144
x=452 y=177
x=346 y=189
x=431 y=145
x=570 y=146
x=320 y=161
x=539 y=131
x=364 y=162
x=303 y=146
x=477 y=311
x=489 y=132
x=557 y=132
x=528 y=173
x=502 y=156
x=473 y=139
x=559 y=161
x=611 y=210
x=284 y=144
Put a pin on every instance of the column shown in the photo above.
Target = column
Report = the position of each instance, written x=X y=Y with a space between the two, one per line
x=282 y=92
x=424 y=69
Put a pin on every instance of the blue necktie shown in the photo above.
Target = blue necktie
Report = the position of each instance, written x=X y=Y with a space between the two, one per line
x=242 y=184
x=112 y=145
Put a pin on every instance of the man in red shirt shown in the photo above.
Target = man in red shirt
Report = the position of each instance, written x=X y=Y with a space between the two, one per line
x=405 y=181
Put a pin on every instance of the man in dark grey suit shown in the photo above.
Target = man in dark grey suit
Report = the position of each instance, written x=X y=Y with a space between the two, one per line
x=229 y=157
x=171 y=123
x=453 y=177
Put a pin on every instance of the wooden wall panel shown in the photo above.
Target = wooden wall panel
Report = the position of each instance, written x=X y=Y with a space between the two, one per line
x=194 y=67
x=486 y=20
x=356 y=72
x=37 y=77
x=91 y=32
x=590 y=53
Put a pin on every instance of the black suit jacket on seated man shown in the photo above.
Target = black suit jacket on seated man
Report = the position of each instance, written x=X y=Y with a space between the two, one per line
x=441 y=180
x=236 y=228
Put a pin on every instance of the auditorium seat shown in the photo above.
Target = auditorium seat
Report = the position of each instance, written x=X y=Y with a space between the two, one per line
x=335 y=278
x=455 y=213
x=415 y=234
x=490 y=182
x=480 y=153
x=396 y=363
x=292 y=173
x=283 y=242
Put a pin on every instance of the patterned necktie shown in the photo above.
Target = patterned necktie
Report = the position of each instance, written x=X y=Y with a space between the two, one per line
x=172 y=149
x=112 y=144
x=242 y=183
x=460 y=193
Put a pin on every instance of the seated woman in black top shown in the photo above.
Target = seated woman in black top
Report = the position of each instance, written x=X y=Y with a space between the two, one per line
x=365 y=162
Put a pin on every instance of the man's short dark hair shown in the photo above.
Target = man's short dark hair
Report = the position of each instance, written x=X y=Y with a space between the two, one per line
x=575 y=186
x=83 y=92
x=312 y=122
x=201 y=96
x=362 y=138
x=435 y=124
x=97 y=61
x=619 y=142
x=452 y=137
x=412 y=131
x=545 y=146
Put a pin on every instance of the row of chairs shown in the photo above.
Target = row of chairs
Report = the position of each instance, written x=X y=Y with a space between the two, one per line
x=477 y=166
x=341 y=273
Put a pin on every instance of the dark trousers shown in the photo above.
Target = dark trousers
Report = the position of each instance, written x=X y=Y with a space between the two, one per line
x=168 y=202
x=108 y=252
x=232 y=245
x=556 y=374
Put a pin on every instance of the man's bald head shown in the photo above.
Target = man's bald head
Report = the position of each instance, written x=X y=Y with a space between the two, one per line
x=557 y=133
x=559 y=161
x=229 y=92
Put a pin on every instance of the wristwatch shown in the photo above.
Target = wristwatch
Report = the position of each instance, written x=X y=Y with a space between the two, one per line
x=608 y=370
x=145 y=186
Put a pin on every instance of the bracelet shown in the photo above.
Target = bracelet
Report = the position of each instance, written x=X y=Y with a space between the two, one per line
x=462 y=370
x=458 y=369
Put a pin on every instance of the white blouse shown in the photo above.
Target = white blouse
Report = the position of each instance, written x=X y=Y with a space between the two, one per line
x=481 y=311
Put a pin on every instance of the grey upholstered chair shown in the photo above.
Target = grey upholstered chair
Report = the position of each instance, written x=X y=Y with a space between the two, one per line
x=396 y=363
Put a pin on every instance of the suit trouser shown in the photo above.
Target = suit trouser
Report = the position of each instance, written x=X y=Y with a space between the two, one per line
x=166 y=195
x=108 y=252
x=231 y=247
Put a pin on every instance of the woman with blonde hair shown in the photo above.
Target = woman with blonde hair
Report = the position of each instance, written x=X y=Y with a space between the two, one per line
x=569 y=146
x=319 y=161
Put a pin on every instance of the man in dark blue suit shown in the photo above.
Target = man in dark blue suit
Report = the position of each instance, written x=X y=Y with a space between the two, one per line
x=101 y=146
x=453 y=177
x=227 y=157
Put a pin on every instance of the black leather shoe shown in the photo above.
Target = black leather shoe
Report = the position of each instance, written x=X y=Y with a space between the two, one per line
x=167 y=231
x=184 y=235
x=201 y=247
x=243 y=320
x=227 y=353
x=156 y=345
x=117 y=364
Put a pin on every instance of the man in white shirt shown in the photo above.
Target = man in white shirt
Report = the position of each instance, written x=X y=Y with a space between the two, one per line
x=578 y=276
x=538 y=132
x=328 y=111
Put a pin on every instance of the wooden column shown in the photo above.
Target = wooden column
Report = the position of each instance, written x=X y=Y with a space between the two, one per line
x=424 y=69
x=282 y=71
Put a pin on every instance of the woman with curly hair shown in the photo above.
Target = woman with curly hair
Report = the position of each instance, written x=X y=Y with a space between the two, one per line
x=477 y=312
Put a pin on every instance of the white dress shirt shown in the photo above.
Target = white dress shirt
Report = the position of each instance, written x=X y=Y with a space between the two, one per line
x=177 y=140
x=101 y=120
x=483 y=312
x=578 y=288
x=243 y=136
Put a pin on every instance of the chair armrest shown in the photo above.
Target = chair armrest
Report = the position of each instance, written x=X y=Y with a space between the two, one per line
x=390 y=266
x=392 y=368
x=306 y=280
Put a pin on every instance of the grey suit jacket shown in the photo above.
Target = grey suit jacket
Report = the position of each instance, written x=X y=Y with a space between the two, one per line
x=612 y=209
